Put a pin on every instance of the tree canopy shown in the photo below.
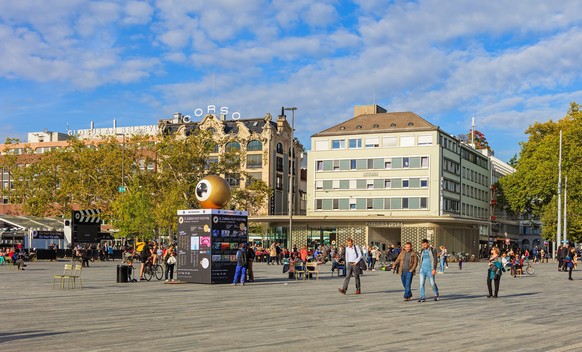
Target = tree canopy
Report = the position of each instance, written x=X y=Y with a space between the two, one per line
x=159 y=177
x=478 y=138
x=533 y=188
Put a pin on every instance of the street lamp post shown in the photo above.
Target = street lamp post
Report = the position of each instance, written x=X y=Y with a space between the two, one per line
x=292 y=156
x=122 y=188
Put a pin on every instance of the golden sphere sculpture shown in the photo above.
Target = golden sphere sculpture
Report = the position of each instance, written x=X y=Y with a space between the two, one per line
x=213 y=192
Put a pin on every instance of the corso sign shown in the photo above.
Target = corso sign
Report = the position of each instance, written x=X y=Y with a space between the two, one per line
x=212 y=109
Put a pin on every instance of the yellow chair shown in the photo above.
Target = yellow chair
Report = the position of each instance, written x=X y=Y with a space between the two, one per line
x=67 y=271
x=76 y=274
x=299 y=269
x=9 y=263
x=311 y=268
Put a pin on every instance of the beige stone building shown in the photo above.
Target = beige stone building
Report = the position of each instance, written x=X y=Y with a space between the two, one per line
x=266 y=154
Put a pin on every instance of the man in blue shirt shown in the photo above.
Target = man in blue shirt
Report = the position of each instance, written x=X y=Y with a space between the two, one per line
x=428 y=264
x=353 y=255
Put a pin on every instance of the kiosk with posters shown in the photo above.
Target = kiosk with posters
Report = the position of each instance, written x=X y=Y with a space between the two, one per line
x=209 y=238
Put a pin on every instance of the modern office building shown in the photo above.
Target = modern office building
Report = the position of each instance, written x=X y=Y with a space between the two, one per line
x=385 y=178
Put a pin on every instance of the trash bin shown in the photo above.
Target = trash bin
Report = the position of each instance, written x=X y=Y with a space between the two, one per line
x=122 y=273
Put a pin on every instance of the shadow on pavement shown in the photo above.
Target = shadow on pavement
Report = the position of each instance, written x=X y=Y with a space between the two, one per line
x=23 y=335
x=501 y=295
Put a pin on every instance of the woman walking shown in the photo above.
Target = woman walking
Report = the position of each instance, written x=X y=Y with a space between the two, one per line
x=170 y=260
x=494 y=273
x=442 y=259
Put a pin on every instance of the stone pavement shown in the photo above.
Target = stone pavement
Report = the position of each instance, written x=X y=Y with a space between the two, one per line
x=533 y=313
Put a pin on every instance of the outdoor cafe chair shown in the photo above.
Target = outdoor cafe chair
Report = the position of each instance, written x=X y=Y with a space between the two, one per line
x=310 y=269
x=67 y=272
x=76 y=274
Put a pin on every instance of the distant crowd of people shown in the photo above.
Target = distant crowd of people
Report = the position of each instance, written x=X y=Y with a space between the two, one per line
x=15 y=255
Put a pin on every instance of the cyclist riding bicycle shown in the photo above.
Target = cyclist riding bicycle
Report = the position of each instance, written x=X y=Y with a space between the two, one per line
x=145 y=254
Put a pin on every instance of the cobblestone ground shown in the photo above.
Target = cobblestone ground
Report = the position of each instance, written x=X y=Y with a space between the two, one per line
x=533 y=313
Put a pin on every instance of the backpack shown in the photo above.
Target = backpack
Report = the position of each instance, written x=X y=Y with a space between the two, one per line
x=361 y=263
x=139 y=246
x=242 y=258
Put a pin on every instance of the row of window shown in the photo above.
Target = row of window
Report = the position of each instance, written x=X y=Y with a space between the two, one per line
x=476 y=193
x=252 y=146
x=449 y=144
x=474 y=211
x=475 y=177
x=452 y=166
x=379 y=183
x=451 y=205
x=451 y=186
x=374 y=142
x=395 y=203
x=475 y=159
x=372 y=164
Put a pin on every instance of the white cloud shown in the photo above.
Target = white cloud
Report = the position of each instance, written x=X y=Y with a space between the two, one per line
x=137 y=12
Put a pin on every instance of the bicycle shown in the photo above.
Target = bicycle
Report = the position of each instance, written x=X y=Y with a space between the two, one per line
x=529 y=269
x=152 y=270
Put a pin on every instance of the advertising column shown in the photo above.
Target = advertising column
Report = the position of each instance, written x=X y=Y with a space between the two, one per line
x=208 y=240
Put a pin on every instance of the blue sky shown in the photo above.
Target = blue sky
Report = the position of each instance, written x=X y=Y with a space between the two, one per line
x=508 y=63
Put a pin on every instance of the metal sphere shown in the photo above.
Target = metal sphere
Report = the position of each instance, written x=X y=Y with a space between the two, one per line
x=213 y=192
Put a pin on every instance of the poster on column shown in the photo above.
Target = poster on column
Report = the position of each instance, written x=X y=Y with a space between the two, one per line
x=229 y=229
x=193 y=260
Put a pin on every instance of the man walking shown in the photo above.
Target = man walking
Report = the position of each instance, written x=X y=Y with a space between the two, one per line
x=353 y=255
x=428 y=264
x=250 y=260
x=406 y=263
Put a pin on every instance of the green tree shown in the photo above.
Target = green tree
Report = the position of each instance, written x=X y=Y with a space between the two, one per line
x=252 y=198
x=134 y=215
x=533 y=187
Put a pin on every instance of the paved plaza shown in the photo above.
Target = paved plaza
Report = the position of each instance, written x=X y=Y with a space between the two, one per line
x=533 y=313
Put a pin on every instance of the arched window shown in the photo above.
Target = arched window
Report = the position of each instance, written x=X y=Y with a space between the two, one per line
x=525 y=244
x=214 y=146
x=232 y=145
x=280 y=148
x=211 y=130
x=254 y=146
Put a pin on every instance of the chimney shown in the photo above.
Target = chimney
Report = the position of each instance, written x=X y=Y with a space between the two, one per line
x=177 y=117
x=92 y=125
x=114 y=124
x=222 y=117
x=368 y=110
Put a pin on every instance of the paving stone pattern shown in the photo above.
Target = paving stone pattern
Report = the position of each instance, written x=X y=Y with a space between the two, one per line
x=533 y=313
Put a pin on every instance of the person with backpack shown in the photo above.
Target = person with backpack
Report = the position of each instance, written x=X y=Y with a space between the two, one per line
x=428 y=265
x=353 y=256
x=241 y=265
x=494 y=272
x=144 y=255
